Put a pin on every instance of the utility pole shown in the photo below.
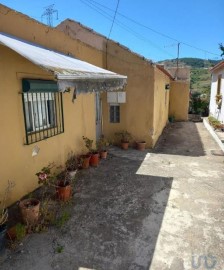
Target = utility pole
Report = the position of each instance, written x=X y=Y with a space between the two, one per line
x=178 y=53
x=49 y=11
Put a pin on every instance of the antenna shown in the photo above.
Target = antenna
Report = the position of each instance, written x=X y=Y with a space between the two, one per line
x=49 y=11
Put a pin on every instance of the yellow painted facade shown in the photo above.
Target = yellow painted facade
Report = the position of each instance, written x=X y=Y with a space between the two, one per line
x=145 y=113
x=16 y=161
x=146 y=110
x=179 y=100
x=136 y=115
x=161 y=104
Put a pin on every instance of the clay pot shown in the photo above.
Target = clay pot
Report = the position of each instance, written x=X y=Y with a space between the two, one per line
x=13 y=234
x=124 y=145
x=30 y=209
x=140 y=145
x=64 y=193
x=85 y=161
x=103 y=154
x=94 y=160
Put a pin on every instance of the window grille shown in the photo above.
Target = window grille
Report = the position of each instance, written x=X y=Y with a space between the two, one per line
x=43 y=115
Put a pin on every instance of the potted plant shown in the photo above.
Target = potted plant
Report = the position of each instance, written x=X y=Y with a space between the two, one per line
x=94 y=154
x=94 y=159
x=64 y=188
x=84 y=161
x=125 y=138
x=30 y=209
x=140 y=145
x=218 y=98
x=72 y=164
x=60 y=180
x=4 y=214
x=17 y=232
x=102 y=145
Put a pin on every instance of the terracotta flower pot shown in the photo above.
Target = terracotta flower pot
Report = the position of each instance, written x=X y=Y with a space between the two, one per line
x=124 y=145
x=17 y=232
x=30 y=209
x=140 y=145
x=94 y=160
x=85 y=161
x=64 y=193
x=103 y=154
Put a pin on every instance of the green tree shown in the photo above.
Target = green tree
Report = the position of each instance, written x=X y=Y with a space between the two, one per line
x=221 y=47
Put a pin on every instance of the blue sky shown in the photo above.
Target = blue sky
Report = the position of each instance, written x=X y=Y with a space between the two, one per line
x=198 y=23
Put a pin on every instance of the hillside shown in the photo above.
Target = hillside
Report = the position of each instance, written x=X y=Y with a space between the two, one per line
x=200 y=80
x=200 y=74
x=191 y=62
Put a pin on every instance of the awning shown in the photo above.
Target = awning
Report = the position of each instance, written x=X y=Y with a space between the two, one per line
x=69 y=71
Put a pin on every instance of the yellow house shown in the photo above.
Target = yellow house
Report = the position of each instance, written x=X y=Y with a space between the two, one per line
x=47 y=99
x=50 y=99
x=151 y=94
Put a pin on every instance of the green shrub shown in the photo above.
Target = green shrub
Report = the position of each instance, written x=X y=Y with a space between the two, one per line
x=214 y=122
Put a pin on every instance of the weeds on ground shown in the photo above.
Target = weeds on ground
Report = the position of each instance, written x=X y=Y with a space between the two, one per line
x=59 y=249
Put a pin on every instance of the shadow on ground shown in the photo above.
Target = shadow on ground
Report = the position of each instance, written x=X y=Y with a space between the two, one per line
x=180 y=138
x=118 y=209
x=117 y=216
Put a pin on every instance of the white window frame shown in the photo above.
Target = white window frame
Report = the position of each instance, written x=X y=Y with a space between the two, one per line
x=115 y=105
x=38 y=97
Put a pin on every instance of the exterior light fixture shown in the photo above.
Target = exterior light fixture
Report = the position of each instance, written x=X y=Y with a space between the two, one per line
x=167 y=86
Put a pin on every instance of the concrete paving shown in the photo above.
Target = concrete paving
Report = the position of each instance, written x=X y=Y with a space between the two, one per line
x=157 y=210
x=217 y=134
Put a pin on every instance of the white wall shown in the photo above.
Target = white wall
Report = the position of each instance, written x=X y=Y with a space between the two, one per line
x=214 y=111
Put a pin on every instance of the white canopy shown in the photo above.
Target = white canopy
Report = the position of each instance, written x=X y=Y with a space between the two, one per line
x=69 y=71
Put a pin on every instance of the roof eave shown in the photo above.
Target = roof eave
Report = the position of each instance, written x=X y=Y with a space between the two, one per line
x=76 y=77
x=218 y=66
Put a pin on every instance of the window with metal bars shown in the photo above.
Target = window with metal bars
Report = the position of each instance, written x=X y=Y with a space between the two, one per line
x=43 y=114
x=114 y=113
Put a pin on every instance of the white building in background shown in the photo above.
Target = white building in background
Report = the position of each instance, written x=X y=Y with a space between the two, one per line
x=216 y=106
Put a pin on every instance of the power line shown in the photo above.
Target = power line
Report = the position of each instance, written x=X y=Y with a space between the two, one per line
x=122 y=25
x=178 y=52
x=153 y=30
x=49 y=12
x=115 y=13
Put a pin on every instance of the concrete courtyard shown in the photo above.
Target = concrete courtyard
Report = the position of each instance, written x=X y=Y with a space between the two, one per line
x=157 y=210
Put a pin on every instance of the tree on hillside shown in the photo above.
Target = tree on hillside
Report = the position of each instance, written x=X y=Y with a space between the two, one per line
x=221 y=47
